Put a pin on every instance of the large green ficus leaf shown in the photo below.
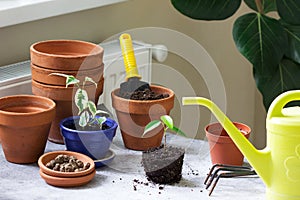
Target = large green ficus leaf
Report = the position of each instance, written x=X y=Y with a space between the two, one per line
x=289 y=11
x=293 y=33
x=267 y=5
x=207 y=9
x=285 y=78
x=262 y=40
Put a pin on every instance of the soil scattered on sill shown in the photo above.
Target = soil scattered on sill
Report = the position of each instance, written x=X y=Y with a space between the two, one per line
x=143 y=95
x=147 y=183
x=192 y=171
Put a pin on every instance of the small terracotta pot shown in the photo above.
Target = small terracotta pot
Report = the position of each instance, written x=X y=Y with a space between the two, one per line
x=25 y=122
x=134 y=115
x=222 y=148
x=42 y=75
x=66 y=55
x=65 y=106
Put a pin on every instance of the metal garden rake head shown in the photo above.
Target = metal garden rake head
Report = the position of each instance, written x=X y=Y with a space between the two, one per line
x=225 y=171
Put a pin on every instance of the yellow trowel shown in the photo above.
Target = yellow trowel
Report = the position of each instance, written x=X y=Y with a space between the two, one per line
x=133 y=82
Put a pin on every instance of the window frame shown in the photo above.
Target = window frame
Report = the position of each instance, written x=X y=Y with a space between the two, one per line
x=14 y=12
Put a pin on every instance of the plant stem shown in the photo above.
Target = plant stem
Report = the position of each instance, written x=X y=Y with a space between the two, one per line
x=259 y=6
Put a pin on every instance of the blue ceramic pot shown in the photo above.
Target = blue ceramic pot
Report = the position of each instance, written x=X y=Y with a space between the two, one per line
x=94 y=144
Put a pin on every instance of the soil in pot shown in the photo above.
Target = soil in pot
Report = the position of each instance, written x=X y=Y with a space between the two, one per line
x=146 y=94
x=74 y=125
x=163 y=165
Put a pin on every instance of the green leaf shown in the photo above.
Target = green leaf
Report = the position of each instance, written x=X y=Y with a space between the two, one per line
x=88 y=79
x=84 y=119
x=268 y=5
x=207 y=9
x=262 y=40
x=293 y=33
x=285 y=78
x=178 y=131
x=101 y=120
x=102 y=112
x=168 y=121
x=70 y=79
x=289 y=11
x=150 y=126
x=92 y=108
x=81 y=99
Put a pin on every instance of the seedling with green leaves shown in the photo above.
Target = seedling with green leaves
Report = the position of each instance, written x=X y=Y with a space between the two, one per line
x=87 y=108
x=167 y=123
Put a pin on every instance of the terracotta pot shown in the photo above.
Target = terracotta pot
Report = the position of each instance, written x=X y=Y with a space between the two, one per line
x=65 y=106
x=222 y=148
x=66 y=55
x=25 y=122
x=42 y=75
x=134 y=115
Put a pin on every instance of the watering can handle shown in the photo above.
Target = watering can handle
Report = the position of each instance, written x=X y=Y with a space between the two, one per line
x=275 y=109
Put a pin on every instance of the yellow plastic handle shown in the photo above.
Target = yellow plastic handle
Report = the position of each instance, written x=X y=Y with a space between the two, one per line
x=128 y=55
x=275 y=109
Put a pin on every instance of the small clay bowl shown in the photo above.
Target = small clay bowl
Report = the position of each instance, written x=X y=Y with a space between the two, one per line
x=44 y=159
x=67 y=181
x=66 y=54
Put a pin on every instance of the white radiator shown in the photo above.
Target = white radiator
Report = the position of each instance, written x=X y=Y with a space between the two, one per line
x=16 y=78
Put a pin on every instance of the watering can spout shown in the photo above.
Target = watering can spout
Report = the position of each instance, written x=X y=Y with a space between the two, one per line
x=260 y=160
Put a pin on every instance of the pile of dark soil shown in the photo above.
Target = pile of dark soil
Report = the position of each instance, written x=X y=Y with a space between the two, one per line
x=163 y=165
x=146 y=94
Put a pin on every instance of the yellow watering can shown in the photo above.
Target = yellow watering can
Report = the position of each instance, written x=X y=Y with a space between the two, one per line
x=279 y=163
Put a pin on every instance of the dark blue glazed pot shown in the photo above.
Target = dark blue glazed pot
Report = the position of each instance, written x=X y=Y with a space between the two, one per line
x=94 y=144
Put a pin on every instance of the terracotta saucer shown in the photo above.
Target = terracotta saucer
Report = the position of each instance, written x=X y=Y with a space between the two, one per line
x=44 y=159
x=67 y=181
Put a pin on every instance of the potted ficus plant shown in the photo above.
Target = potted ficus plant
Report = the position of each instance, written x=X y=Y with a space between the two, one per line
x=163 y=164
x=88 y=132
x=272 y=45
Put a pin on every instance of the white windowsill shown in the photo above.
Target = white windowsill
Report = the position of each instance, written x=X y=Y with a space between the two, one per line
x=19 y=11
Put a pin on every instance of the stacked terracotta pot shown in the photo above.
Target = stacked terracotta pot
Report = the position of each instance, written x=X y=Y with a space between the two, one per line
x=73 y=57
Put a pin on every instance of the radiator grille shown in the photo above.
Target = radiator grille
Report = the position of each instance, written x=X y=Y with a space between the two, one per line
x=15 y=73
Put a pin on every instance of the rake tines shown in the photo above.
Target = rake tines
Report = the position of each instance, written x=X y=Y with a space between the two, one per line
x=225 y=171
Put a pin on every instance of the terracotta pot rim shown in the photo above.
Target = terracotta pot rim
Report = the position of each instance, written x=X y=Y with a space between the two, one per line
x=62 y=87
x=172 y=94
x=50 y=105
x=115 y=125
x=209 y=134
x=94 y=52
x=65 y=71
